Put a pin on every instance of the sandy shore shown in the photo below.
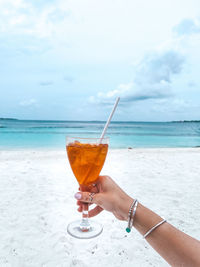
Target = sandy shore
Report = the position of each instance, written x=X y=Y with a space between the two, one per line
x=36 y=204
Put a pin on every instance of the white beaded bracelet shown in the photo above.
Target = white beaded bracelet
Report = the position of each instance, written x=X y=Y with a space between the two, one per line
x=153 y=228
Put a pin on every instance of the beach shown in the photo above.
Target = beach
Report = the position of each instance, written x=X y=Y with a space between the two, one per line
x=36 y=203
x=108 y=79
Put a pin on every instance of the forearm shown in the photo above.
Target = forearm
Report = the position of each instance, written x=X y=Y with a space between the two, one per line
x=177 y=248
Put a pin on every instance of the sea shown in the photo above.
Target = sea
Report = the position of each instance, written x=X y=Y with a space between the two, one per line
x=15 y=134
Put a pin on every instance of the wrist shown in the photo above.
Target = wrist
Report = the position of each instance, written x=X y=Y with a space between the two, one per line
x=145 y=219
x=126 y=204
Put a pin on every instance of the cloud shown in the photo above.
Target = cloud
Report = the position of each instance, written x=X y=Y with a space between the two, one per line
x=21 y=45
x=152 y=79
x=27 y=28
x=159 y=67
x=28 y=103
x=192 y=84
x=27 y=18
x=187 y=27
x=46 y=83
x=68 y=78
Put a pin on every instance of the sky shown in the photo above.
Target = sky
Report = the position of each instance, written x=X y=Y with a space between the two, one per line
x=70 y=59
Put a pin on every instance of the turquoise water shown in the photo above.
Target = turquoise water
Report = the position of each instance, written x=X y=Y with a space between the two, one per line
x=30 y=134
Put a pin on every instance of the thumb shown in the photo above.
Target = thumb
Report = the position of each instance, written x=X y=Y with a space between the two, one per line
x=87 y=197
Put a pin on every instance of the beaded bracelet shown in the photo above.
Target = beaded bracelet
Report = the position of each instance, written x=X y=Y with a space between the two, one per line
x=131 y=216
x=134 y=211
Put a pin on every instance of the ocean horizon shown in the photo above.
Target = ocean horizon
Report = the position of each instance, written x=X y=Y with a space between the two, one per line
x=16 y=133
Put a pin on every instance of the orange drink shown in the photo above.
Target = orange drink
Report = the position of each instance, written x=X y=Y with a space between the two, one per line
x=86 y=157
x=86 y=161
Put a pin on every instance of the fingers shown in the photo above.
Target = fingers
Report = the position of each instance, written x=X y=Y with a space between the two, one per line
x=90 y=188
x=80 y=205
x=87 y=197
x=92 y=212
x=80 y=209
x=94 y=189
x=95 y=211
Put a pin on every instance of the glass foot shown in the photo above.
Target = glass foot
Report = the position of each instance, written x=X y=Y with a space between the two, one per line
x=74 y=230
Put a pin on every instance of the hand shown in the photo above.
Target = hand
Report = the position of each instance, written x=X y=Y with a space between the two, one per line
x=108 y=196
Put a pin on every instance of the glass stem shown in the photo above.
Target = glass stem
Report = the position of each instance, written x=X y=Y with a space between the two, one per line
x=85 y=225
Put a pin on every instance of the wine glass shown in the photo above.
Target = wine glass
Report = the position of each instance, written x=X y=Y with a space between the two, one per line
x=86 y=157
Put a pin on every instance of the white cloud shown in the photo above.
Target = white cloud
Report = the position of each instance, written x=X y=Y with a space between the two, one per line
x=22 y=17
x=46 y=83
x=96 y=41
x=187 y=27
x=155 y=75
x=68 y=78
x=88 y=30
x=27 y=27
x=28 y=103
x=159 y=66
x=152 y=79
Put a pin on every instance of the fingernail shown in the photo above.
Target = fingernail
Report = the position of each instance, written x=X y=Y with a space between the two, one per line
x=77 y=195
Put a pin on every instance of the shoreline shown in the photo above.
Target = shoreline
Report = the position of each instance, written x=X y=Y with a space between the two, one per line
x=110 y=148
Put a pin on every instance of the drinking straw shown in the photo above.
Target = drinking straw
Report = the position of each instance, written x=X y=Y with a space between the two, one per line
x=102 y=136
x=109 y=119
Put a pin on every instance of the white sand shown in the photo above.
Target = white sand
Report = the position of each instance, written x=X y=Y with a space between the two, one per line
x=36 y=204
